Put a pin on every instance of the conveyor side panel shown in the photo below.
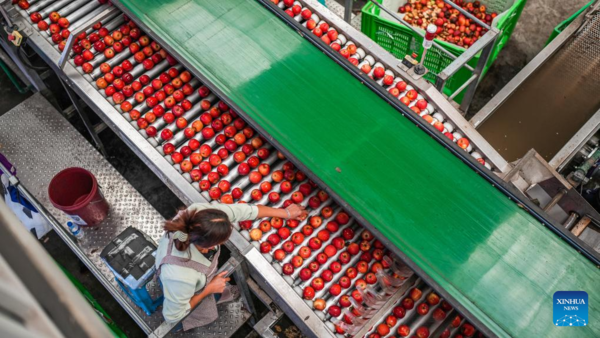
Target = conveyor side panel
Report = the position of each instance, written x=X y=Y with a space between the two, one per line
x=493 y=257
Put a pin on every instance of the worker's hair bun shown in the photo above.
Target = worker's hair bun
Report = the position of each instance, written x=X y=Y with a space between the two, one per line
x=206 y=228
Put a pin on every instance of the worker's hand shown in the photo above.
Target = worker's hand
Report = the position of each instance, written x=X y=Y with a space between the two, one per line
x=297 y=211
x=217 y=284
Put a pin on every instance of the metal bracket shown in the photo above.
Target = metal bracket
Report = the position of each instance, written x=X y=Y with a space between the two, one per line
x=71 y=40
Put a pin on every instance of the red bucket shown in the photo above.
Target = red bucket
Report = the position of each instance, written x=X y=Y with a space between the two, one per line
x=75 y=191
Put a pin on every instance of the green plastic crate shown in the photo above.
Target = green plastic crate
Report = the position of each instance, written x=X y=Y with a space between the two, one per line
x=401 y=40
x=116 y=331
x=561 y=26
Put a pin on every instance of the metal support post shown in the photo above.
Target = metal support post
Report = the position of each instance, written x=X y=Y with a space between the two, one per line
x=348 y=10
x=483 y=60
x=85 y=118
x=241 y=277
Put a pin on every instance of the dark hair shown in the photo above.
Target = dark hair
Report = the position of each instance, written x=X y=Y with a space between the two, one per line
x=206 y=228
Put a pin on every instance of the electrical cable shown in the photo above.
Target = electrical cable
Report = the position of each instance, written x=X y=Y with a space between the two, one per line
x=25 y=61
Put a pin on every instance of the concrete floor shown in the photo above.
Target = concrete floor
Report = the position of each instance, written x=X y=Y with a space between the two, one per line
x=537 y=21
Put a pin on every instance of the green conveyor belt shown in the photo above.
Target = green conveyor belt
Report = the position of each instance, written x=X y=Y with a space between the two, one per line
x=494 y=258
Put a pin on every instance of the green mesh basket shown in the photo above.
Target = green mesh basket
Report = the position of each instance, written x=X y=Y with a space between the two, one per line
x=401 y=40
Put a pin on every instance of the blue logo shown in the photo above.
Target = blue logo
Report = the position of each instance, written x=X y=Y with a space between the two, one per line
x=570 y=308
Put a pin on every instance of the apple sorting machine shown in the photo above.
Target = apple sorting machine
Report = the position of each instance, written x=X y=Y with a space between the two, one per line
x=412 y=229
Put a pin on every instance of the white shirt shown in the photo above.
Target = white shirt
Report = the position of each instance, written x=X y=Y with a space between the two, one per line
x=181 y=283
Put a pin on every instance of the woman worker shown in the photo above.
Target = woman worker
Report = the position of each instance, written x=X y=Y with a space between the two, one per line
x=184 y=263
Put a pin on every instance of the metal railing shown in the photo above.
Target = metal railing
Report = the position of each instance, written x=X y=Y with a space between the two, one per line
x=485 y=45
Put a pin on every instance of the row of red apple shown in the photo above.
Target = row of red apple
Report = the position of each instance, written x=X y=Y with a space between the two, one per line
x=393 y=83
x=422 y=316
x=47 y=19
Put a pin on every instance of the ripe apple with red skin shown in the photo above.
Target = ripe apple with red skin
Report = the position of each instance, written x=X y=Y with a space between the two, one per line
x=213 y=177
x=408 y=303
x=263 y=153
x=215 y=193
x=253 y=161
x=399 y=312
x=284 y=233
x=416 y=294
x=276 y=222
x=383 y=329
x=326 y=212
x=365 y=246
x=439 y=314
x=321 y=258
x=314 y=202
x=327 y=275
x=317 y=283
x=308 y=293
x=289 y=175
x=335 y=290
x=315 y=243
x=342 y=218
x=142 y=123
x=345 y=282
x=423 y=309
x=297 y=261
x=256 y=195
x=305 y=188
x=344 y=257
x=338 y=243
x=467 y=329
x=422 y=332
x=335 y=311
x=403 y=330
x=286 y=187
x=353 y=249
x=323 y=235
x=376 y=267
x=456 y=322
x=205 y=167
x=274 y=197
x=433 y=299
x=370 y=278
x=247 y=149
x=264 y=169
x=332 y=226
x=265 y=247
x=305 y=274
x=446 y=306
x=279 y=255
x=335 y=267
x=345 y=301
x=287 y=269
x=304 y=252
x=307 y=230
x=237 y=193
x=298 y=238
x=330 y=250
x=357 y=296
x=313 y=266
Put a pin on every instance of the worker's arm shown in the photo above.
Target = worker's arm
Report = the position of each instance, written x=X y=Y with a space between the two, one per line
x=216 y=285
x=243 y=212
x=294 y=211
